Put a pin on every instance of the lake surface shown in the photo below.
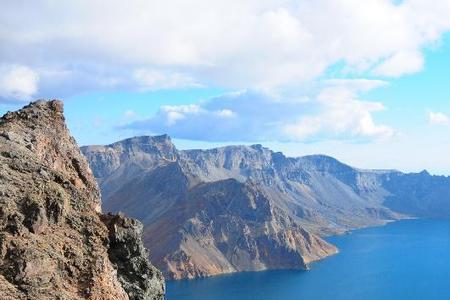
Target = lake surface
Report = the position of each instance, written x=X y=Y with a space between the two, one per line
x=403 y=260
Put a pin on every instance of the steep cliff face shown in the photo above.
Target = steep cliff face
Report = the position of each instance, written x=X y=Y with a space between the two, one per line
x=197 y=222
x=204 y=216
x=54 y=242
x=241 y=208
x=228 y=226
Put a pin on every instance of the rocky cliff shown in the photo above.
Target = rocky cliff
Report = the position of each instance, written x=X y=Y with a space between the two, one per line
x=200 y=224
x=229 y=226
x=54 y=241
x=241 y=208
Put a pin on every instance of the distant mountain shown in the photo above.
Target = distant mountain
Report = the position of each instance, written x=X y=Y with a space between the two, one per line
x=241 y=208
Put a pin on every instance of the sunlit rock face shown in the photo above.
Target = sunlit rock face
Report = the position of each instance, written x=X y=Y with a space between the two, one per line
x=54 y=241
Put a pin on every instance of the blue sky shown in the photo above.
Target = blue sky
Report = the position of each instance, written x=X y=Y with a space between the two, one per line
x=367 y=83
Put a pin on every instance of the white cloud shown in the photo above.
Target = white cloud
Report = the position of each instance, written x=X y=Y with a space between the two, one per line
x=438 y=118
x=274 y=47
x=401 y=63
x=17 y=83
x=335 y=112
x=225 y=113
x=176 y=113
x=356 y=85
x=253 y=44
x=342 y=113
x=155 y=80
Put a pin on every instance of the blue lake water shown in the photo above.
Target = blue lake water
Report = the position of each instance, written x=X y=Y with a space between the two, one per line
x=403 y=260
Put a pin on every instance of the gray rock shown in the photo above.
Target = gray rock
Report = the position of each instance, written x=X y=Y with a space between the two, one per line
x=139 y=278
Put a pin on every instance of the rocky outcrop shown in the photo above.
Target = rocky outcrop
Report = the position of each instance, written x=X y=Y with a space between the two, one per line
x=139 y=278
x=54 y=243
x=241 y=208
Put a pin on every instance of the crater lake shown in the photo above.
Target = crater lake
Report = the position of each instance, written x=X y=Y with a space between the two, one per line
x=408 y=259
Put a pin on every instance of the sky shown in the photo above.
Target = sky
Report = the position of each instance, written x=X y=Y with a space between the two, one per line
x=367 y=82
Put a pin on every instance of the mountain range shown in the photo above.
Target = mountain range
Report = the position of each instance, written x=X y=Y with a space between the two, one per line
x=247 y=208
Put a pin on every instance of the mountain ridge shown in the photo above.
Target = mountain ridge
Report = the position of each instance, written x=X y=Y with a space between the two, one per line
x=319 y=193
x=318 y=155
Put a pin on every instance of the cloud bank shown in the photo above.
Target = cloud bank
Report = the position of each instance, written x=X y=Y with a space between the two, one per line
x=335 y=112
x=288 y=57
x=56 y=48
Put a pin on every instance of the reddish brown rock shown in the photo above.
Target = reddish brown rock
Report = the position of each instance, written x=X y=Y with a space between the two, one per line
x=53 y=243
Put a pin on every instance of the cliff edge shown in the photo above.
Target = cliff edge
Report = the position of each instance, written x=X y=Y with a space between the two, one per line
x=54 y=241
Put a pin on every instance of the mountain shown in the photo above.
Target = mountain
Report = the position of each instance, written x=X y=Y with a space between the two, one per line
x=242 y=208
x=54 y=241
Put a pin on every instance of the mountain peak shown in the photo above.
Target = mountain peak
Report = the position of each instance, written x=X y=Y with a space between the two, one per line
x=35 y=109
x=145 y=140
x=38 y=132
x=424 y=172
x=140 y=149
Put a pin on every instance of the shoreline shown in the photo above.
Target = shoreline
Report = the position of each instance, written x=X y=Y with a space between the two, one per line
x=348 y=232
